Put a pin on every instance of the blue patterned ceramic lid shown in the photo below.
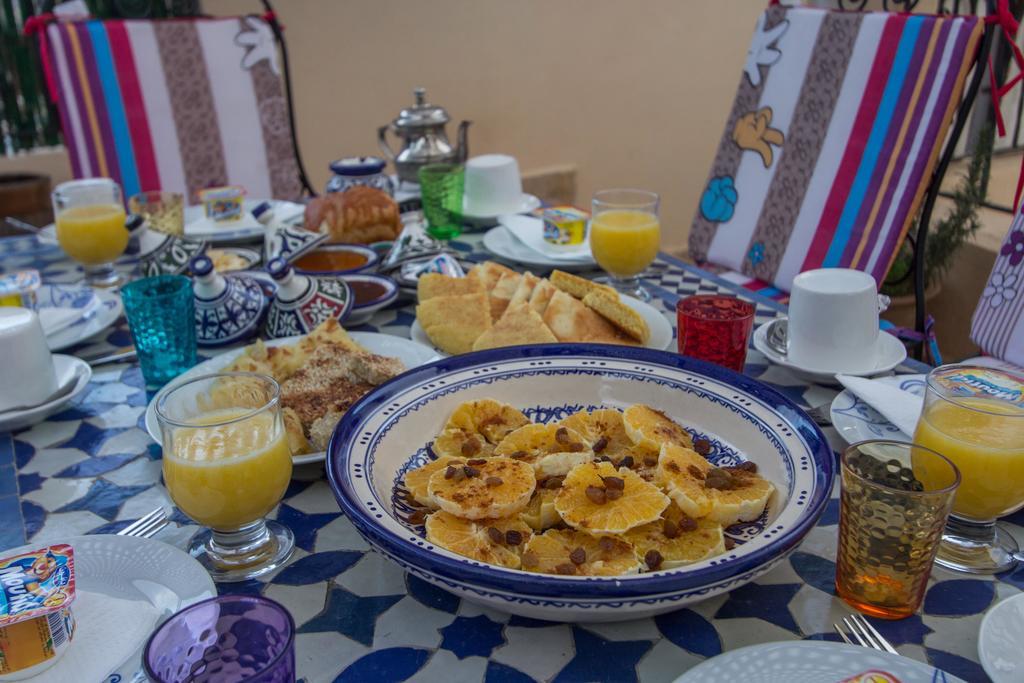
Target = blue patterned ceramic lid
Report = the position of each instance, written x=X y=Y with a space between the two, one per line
x=290 y=242
x=303 y=301
x=229 y=308
x=357 y=166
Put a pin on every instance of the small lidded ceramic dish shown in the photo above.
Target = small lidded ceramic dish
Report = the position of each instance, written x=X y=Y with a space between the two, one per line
x=302 y=301
x=229 y=308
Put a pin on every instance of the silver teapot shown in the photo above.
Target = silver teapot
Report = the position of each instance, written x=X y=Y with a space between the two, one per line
x=424 y=140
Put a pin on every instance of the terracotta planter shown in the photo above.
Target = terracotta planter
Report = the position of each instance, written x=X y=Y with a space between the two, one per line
x=902 y=308
x=25 y=196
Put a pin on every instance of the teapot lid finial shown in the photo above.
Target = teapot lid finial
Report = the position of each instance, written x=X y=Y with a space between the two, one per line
x=422 y=114
x=421 y=95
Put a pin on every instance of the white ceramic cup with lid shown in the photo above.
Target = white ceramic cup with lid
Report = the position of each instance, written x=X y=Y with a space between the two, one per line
x=493 y=185
x=27 y=376
x=833 y=320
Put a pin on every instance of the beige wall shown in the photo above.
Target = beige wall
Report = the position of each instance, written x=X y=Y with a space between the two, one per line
x=632 y=94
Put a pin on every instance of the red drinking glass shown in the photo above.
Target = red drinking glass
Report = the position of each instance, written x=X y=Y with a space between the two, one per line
x=715 y=328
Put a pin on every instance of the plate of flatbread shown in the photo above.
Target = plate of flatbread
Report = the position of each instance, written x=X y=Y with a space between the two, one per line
x=321 y=375
x=494 y=306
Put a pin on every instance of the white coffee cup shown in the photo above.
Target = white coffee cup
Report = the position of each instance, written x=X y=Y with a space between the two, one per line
x=27 y=376
x=493 y=186
x=833 y=320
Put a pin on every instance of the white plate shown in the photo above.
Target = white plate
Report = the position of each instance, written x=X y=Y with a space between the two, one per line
x=137 y=569
x=475 y=217
x=409 y=352
x=64 y=367
x=661 y=328
x=890 y=353
x=811 y=661
x=101 y=318
x=856 y=421
x=999 y=641
x=503 y=244
x=197 y=227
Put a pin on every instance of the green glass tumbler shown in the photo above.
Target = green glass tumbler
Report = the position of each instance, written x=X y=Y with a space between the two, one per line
x=162 y=320
x=441 y=188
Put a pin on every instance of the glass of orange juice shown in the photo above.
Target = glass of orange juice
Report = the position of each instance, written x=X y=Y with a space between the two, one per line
x=625 y=235
x=226 y=466
x=974 y=416
x=90 y=220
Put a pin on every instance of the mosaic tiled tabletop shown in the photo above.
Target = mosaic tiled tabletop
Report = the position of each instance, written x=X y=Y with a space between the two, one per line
x=93 y=469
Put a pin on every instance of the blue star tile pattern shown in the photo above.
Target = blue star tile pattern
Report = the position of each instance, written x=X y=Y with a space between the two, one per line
x=959 y=597
x=909 y=630
x=23 y=453
x=956 y=665
x=94 y=467
x=391 y=664
x=318 y=567
x=33 y=516
x=12 y=527
x=431 y=596
x=597 y=659
x=500 y=673
x=768 y=602
x=1015 y=577
x=111 y=527
x=350 y=614
x=817 y=571
x=472 y=636
x=690 y=631
x=305 y=527
x=527 y=622
x=247 y=587
x=10 y=482
x=104 y=498
x=6 y=450
x=831 y=514
x=89 y=437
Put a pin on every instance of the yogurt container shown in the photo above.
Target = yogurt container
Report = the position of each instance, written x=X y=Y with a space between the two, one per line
x=19 y=288
x=223 y=204
x=564 y=225
x=36 y=623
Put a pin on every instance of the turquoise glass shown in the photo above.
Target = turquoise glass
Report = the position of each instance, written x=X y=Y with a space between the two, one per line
x=162 y=319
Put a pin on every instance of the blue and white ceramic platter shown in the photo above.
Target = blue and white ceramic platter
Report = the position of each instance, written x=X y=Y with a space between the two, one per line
x=388 y=432
x=409 y=352
x=856 y=421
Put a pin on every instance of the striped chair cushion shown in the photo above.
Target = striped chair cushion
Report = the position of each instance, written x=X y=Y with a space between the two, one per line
x=831 y=141
x=177 y=104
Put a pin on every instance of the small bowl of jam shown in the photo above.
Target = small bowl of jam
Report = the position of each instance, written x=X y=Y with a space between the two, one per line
x=337 y=259
x=370 y=293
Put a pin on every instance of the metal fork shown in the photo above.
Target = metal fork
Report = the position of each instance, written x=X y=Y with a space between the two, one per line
x=147 y=526
x=865 y=634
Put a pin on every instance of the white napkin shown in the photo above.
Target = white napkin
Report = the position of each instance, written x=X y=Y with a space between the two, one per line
x=899 y=407
x=55 y=319
x=108 y=631
x=530 y=231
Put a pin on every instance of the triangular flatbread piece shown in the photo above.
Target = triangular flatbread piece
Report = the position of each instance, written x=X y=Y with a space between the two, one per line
x=520 y=325
x=571 y=321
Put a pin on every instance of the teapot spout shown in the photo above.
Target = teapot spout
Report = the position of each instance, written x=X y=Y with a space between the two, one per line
x=462 y=148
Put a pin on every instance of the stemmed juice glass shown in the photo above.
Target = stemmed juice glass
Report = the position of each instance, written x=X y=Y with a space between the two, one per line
x=90 y=220
x=625 y=235
x=975 y=417
x=226 y=465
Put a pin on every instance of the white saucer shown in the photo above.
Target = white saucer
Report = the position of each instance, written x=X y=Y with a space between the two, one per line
x=158 y=577
x=856 y=421
x=999 y=641
x=101 y=318
x=65 y=368
x=506 y=246
x=409 y=352
x=889 y=353
x=483 y=216
x=660 y=327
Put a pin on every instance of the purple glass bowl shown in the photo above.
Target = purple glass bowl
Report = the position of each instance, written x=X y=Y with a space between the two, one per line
x=227 y=639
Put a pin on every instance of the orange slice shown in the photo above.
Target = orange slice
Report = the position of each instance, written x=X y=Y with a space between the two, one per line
x=586 y=503
x=483 y=488
x=477 y=541
x=574 y=553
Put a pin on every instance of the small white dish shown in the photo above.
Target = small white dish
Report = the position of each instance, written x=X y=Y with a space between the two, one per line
x=409 y=352
x=68 y=369
x=856 y=421
x=889 y=352
x=661 y=328
x=811 y=660
x=158 y=577
x=530 y=231
x=506 y=246
x=999 y=641
x=485 y=217
x=101 y=318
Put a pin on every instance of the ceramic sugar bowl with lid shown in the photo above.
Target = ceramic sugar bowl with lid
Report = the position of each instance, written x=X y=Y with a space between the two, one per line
x=229 y=308
x=302 y=301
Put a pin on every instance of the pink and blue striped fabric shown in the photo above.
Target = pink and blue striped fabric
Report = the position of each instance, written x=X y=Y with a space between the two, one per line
x=836 y=126
x=174 y=104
